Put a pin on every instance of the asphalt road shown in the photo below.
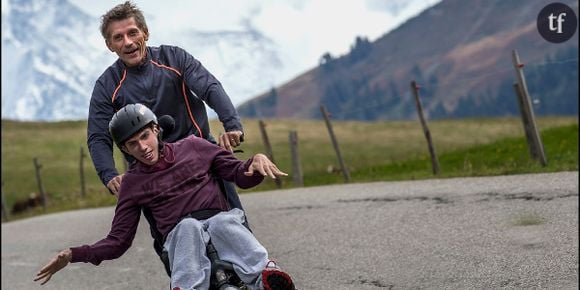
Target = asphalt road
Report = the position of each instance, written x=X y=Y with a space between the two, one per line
x=464 y=233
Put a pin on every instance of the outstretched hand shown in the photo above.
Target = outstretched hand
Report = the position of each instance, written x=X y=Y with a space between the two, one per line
x=262 y=164
x=56 y=264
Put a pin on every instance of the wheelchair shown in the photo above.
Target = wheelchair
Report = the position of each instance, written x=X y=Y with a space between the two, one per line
x=223 y=276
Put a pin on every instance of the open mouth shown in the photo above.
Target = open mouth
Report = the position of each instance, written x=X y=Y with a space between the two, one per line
x=131 y=51
x=148 y=156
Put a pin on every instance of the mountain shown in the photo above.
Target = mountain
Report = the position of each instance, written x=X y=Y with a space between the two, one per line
x=52 y=54
x=245 y=60
x=459 y=52
x=48 y=52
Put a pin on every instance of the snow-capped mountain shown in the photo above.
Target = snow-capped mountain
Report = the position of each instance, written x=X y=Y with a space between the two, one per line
x=246 y=62
x=48 y=52
x=52 y=54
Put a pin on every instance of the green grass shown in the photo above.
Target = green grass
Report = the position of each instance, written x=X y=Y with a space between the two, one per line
x=502 y=157
x=373 y=151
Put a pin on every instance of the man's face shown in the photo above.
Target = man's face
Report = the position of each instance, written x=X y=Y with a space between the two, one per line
x=127 y=41
x=144 y=146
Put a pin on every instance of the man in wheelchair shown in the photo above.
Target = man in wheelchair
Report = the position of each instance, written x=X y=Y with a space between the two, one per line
x=176 y=183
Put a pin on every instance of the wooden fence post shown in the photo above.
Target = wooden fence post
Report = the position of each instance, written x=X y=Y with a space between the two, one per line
x=37 y=167
x=297 y=176
x=268 y=147
x=82 y=173
x=345 y=172
x=434 y=160
x=535 y=145
x=5 y=214
x=526 y=122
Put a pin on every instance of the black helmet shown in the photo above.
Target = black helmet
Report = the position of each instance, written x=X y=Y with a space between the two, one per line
x=128 y=121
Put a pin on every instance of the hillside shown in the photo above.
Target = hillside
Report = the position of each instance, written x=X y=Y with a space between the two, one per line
x=459 y=52
x=396 y=150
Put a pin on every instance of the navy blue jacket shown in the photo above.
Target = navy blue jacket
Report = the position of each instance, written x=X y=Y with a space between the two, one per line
x=170 y=82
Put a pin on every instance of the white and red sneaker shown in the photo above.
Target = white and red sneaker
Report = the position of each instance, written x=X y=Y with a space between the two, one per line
x=275 y=279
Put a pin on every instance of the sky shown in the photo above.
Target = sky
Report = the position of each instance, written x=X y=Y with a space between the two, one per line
x=304 y=29
x=301 y=30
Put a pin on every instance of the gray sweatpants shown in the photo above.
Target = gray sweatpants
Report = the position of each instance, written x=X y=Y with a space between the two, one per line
x=186 y=246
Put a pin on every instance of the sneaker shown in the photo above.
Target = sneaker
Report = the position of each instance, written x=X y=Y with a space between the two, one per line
x=275 y=279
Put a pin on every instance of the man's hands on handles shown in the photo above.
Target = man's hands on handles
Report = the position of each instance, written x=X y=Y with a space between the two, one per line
x=230 y=140
x=262 y=164
x=115 y=184
x=56 y=264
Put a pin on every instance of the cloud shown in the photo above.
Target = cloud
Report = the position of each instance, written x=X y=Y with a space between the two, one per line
x=302 y=30
x=305 y=28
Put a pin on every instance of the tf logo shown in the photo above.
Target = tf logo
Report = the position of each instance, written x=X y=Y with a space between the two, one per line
x=557 y=22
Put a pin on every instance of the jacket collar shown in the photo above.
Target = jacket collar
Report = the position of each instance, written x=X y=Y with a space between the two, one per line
x=166 y=160
x=140 y=67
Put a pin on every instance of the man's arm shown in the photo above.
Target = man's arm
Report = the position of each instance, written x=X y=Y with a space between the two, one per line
x=206 y=86
x=245 y=174
x=99 y=141
x=116 y=243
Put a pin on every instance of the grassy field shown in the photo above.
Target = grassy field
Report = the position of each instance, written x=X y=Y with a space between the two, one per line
x=372 y=151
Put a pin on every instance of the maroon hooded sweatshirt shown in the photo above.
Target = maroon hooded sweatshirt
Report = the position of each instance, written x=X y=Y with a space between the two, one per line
x=181 y=182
